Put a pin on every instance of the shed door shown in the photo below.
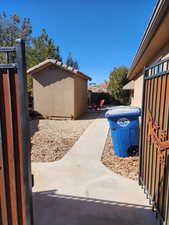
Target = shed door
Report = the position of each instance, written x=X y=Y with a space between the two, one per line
x=154 y=142
x=15 y=175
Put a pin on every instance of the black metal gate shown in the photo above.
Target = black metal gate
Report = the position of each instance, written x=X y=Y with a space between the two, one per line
x=15 y=173
x=154 y=141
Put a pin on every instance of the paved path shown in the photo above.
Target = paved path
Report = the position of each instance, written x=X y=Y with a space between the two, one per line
x=80 y=190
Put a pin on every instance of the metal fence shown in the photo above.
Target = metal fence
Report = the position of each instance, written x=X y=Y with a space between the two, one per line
x=154 y=142
x=15 y=173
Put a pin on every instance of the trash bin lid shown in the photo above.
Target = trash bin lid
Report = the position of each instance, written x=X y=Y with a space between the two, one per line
x=118 y=111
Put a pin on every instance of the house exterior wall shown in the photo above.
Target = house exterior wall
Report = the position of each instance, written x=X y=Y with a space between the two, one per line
x=136 y=100
x=138 y=83
x=81 y=96
x=53 y=91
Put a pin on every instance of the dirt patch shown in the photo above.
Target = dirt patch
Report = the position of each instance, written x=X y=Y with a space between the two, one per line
x=52 y=139
x=125 y=166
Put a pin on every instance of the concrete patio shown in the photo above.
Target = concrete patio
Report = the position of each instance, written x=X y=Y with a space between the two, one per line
x=80 y=190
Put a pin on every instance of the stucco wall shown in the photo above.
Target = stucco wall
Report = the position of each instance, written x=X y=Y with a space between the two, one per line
x=53 y=91
x=138 y=91
x=81 y=96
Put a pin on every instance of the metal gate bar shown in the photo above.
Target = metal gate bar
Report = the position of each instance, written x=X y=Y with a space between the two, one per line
x=154 y=141
x=15 y=172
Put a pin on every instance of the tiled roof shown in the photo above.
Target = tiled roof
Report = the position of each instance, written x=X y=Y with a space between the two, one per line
x=100 y=88
x=48 y=62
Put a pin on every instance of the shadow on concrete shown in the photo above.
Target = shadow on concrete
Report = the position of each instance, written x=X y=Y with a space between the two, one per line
x=51 y=208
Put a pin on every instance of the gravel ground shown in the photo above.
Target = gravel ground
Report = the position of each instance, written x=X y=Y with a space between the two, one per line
x=51 y=139
x=127 y=166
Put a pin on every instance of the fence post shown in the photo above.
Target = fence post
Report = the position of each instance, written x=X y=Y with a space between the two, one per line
x=141 y=130
x=21 y=70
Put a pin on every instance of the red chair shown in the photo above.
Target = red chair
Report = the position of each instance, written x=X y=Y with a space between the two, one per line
x=100 y=105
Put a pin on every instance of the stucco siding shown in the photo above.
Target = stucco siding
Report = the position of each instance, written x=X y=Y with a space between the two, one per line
x=138 y=91
x=81 y=96
x=53 y=91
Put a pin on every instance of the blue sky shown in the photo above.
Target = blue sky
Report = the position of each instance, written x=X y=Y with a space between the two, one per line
x=101 y=34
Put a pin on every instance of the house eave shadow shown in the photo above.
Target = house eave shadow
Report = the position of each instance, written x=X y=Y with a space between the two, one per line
x=51 y=208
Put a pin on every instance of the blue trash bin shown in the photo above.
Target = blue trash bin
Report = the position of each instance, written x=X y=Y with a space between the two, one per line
x=124 y=126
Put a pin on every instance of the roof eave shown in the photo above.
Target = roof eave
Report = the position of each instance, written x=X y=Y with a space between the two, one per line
x=84 y=76
x=155 y=21
x=34 y=70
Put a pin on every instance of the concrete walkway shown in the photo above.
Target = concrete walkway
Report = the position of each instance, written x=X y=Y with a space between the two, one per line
x=80 y=190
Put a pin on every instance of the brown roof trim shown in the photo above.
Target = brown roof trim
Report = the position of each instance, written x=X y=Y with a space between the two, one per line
x=45 y=64
x=154 y=23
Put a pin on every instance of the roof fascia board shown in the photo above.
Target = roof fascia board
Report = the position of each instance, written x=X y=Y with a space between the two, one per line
x=79 y=74
x=155 y=21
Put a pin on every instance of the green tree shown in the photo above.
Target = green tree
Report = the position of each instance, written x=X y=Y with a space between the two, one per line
x=117 y=79
x=76 y=65
x=42 y=48
x=12 y=27
x=71 y=62
x=38 y=48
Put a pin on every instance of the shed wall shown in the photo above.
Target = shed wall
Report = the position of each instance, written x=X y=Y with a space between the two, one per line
x=54 y=93
x=81 y=96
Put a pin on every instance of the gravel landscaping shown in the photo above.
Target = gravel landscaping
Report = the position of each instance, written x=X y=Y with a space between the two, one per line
x=127 y=166
x=52 y=139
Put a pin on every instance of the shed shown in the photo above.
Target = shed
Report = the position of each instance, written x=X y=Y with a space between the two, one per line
x=59 y=91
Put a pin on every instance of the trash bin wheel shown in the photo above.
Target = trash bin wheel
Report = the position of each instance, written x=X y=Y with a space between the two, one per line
x=133 y=150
